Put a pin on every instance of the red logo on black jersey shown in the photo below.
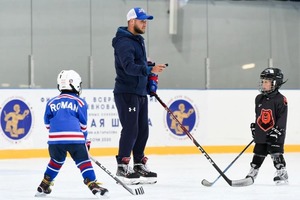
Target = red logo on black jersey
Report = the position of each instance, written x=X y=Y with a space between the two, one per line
x=265 y=120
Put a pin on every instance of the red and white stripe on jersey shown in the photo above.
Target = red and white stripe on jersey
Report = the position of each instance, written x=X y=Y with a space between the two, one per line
x=47 y=126
x=83 y=127
x=66 y=136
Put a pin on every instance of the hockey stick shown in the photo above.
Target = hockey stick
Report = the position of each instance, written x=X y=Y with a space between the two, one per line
x=208 y=184
x=234 y=183
x=137 y=191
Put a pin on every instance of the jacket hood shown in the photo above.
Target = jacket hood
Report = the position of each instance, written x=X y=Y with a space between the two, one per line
x=123 y=32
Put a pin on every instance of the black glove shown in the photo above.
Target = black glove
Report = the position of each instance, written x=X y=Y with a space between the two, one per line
x=274 y=135
x=88 y=144
x=252 y=128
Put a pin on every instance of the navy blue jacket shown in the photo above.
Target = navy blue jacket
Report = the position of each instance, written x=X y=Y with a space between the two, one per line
x=130 y=63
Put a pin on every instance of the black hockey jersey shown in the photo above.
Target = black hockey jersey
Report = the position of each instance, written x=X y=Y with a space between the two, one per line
x=271 y=111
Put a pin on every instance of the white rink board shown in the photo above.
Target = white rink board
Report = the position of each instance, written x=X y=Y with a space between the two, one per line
x=219 y=117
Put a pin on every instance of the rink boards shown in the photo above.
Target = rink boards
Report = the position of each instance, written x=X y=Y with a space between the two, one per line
x=218 y=119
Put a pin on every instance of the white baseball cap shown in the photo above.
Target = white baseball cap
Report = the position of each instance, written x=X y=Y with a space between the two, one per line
x=138 y=13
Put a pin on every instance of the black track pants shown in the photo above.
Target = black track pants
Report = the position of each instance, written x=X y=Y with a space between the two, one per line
x=133 y=115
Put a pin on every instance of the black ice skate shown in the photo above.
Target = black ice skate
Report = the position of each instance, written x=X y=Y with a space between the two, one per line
x=147 y=177
x=97 y=190
x=44 y=187
x=281 y=177
x=126 y=173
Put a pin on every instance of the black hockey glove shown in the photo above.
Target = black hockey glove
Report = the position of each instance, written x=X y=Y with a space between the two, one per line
x=88 y=144
x=252 y=128
x=274 y=135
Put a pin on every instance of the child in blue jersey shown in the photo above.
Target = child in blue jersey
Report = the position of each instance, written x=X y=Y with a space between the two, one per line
x=66 y=118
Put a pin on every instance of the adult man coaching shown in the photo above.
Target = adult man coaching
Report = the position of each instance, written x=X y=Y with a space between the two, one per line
x=130 y=93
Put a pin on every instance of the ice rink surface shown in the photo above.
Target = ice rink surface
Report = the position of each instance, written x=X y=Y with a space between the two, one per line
x=179 y=177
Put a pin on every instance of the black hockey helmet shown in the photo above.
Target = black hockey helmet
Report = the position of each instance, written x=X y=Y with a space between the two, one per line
x=273 y=74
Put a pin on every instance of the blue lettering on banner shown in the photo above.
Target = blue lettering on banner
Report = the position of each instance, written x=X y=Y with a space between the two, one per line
x=101 y=122
x=149 y=122
x=102 y=99
x=115 y=122
x=93 y=124
x=101 y=106
x=45 y=99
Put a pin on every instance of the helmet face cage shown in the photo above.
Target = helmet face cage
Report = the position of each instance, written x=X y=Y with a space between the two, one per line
x=69 y=80
x=276 y=77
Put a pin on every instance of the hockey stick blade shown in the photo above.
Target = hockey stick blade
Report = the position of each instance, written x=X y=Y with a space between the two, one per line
x=209 y=184
x=136 y=191
x=234 y=183
x=242 y=182
x=206 y=183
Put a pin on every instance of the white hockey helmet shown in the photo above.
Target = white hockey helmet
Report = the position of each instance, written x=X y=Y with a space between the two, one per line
x=69 y=80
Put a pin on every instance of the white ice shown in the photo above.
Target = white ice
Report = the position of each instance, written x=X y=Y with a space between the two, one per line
x=179 y=177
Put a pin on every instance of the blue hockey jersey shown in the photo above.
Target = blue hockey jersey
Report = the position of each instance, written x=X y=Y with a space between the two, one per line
x=66 y=118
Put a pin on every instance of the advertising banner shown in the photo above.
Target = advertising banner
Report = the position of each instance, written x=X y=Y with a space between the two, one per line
x=213 y=117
